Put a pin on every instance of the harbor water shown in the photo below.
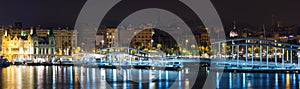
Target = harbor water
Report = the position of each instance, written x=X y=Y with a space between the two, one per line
x=77 y=77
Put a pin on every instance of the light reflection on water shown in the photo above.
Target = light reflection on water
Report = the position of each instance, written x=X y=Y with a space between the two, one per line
x=19 y=77
x=29 y=77
x=260 y=80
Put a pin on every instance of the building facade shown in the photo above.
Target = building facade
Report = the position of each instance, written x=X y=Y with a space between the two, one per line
x=122 y=37
x=14 y=47
x=64 y=42
x=43 y=46
x=112 y=37
x=28 y=46
x=65 y=39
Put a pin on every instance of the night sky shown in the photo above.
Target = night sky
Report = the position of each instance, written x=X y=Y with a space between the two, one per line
x=60 y=13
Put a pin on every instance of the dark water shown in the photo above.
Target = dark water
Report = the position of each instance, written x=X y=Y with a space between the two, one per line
x=58 y=77
x=260 y=80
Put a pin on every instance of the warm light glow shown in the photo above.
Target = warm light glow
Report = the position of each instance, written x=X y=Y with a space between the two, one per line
x=233 y=34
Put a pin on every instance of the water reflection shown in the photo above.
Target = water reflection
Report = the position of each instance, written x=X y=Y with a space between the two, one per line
x=260 y=80
x=19 y=77
x=28 y=77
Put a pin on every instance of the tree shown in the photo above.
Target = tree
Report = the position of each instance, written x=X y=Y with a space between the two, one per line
x=159 y=46
x=138 y=45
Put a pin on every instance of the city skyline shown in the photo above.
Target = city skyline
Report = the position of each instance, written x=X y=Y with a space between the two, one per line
x=139 y=44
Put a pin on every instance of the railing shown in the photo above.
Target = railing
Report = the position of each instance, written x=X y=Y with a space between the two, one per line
x=286 y=54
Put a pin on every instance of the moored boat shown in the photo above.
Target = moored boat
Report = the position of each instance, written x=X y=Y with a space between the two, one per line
x=4 y=62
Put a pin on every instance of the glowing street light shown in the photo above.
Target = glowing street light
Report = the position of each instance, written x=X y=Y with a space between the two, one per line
x=152 y=42
x=186 y=41
x=102 y=43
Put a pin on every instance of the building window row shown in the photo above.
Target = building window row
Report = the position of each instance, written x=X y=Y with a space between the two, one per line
x=43 y=50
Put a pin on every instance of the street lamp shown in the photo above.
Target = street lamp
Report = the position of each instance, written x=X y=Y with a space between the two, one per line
x=186 y=41
x=102 y=43
x=152 y=43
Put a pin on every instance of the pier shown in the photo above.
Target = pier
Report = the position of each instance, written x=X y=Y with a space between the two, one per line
x=272 y=56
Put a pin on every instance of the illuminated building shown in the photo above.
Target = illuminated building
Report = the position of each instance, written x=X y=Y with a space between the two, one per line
x=17 y=47
x=135 y=38
x=65 y=39
x=43 y=46
x=28 y=46
x=234 y=32
x=144 y=36
x=64 y=42
x=112 y=36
